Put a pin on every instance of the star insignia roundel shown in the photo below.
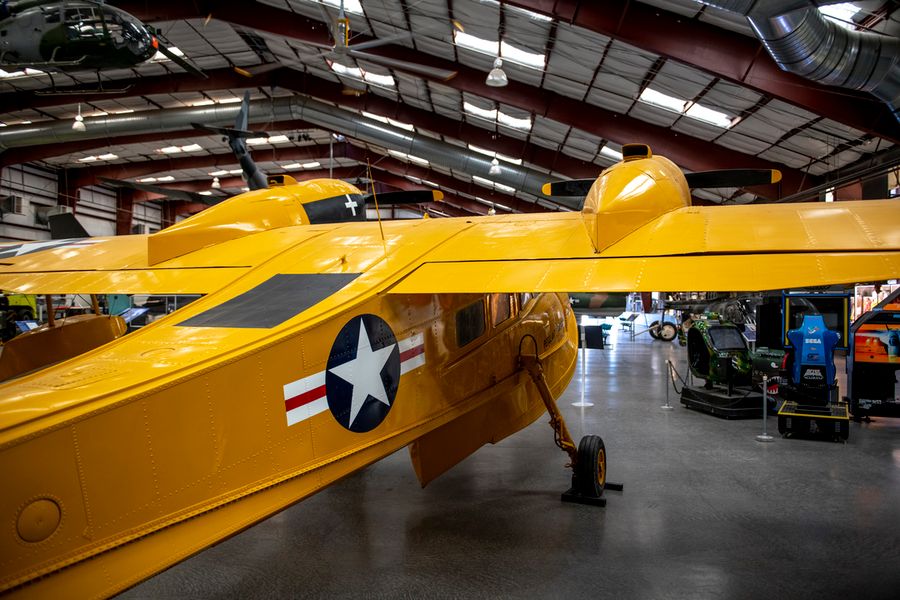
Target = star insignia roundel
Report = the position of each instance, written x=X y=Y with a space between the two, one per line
x=363 y=373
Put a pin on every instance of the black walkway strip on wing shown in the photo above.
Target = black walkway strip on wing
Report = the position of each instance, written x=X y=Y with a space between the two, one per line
x=272 y=302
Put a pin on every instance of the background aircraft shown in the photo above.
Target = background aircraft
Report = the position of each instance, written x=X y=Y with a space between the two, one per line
x=77 y=35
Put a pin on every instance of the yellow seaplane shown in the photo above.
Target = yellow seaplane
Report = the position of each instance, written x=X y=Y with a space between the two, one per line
x=320 y=345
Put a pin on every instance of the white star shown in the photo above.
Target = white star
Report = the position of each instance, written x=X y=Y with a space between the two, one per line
x=364 y=373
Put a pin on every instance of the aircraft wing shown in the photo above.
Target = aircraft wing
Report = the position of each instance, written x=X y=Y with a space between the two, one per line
x=723 y=248
x=717 y=248
x=120 y=265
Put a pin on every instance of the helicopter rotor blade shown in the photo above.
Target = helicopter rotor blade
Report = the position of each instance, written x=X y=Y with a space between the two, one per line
x=381 y=41
x=180 y=61
x=442 y=74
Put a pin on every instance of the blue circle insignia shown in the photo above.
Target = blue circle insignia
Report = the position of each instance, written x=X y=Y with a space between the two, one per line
x=363 y=373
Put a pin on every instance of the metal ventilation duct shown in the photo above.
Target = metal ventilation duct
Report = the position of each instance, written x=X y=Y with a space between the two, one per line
x=804 y=42
x=298 y=107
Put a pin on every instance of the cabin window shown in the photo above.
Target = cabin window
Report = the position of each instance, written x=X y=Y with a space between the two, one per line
x=469 y=323
x=501 y=308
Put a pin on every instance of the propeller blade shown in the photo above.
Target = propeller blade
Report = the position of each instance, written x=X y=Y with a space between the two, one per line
x=571 y=187
x=257 y=69
x=406 y=197
x=169 y=193
x=736 y=178
x=437 y=73
x=181 y=62
x=381 y=41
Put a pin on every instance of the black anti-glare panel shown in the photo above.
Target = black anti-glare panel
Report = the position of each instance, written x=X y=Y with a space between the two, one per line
x=272 y=302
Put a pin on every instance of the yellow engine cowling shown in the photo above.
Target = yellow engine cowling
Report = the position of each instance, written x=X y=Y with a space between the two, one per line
x=631 y=194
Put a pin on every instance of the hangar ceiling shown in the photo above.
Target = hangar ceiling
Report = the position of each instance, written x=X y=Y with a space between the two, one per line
x=690 y=80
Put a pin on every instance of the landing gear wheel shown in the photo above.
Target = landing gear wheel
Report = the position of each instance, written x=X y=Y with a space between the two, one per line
x=667 y=332
x=653 y=330
x=590 y=471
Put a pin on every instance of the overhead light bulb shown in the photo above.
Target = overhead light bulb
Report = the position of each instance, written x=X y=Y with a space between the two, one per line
x=492 y=211
x=495 y=167
x=215 y=184
x=497 y=78
x=78 y=125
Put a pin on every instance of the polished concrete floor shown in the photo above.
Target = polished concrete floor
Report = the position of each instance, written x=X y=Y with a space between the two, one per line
x=707 y=512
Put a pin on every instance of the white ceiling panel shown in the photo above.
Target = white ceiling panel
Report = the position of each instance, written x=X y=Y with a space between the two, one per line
x=697 y=129
x=742 y=143
x=652 y=114
x=609 y=100
x=565 y=87
x=784 y=156
x=680 y=81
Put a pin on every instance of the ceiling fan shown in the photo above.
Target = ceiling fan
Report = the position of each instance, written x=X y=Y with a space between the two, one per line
x=343 y=49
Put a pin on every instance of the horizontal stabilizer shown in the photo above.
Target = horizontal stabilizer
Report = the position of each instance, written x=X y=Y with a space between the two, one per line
x=65 y=226
x=169 y=193
x=736 y=178
x=571 y=187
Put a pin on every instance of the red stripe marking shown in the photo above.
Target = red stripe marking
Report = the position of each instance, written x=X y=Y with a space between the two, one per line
x=304 y=398
x=412 y=352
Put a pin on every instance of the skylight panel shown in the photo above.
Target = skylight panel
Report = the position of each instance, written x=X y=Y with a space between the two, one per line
x=164 y=178
x=179 y=149
x=687 y=108
x=651 y=96
x=191 y=148
x=523 y=124
x=382 y=80
x=473 y=42
x=502 y=49
x=221 y=173
x=350 y=6
x=610 y=153
x=15 y=74
x=357 y=73
x=708 y=115
x=490 y=115
x=160 y=57
x=528 y=13
x=535 y=60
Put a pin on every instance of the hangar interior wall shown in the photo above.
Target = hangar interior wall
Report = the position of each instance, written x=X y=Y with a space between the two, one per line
x=28 y=194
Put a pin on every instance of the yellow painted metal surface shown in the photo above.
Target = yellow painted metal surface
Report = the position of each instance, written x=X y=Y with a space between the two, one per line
x=168 y=439
x=242 y=215
x=46 y=345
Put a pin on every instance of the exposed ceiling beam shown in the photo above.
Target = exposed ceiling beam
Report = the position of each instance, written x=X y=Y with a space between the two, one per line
x=85 y=176
x=721 y=52
x=691 y=153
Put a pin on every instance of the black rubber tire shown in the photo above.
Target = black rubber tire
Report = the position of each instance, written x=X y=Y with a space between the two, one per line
x=654 y=330
x=590 y=472
x=667 y=332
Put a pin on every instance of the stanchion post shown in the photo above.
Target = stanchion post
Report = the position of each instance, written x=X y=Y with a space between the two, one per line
x=765 y=437
x=583 y=403
x=667 y=377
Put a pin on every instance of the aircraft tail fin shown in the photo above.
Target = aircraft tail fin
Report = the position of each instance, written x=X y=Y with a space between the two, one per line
x=66 y=226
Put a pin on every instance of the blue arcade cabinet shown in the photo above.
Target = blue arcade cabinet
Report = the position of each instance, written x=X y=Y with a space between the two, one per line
x=809 y=399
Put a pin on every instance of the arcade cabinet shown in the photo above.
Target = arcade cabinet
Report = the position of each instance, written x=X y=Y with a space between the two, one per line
x=873 y=363
x=809 y=402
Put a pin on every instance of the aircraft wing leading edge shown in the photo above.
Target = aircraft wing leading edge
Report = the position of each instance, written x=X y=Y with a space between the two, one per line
x=715 y=248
